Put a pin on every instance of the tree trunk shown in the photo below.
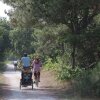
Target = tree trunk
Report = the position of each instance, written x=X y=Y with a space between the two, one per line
x=73 y=55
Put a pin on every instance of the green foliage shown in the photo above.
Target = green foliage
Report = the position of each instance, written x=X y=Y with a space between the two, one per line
x=50 y=41
x=83 y=82
x=21 y=40
x=88 y=82
x=63 y=71
x=10 y=55
x=50 y=65
x=67 y=73
x=88 y=48
x=77 y=15
x=4 y=35
x=2 y=66
x=60 y=11
x=4 y=38
x=66 y=33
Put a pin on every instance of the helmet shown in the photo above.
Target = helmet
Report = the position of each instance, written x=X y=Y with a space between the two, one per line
x=25 y=54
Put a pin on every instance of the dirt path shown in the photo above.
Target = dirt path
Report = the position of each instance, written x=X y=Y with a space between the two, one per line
x=11 y=89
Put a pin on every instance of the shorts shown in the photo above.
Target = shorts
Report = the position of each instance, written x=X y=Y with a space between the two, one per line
x=36 y=74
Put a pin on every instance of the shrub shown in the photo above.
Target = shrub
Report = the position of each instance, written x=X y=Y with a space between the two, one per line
x=49 y=64
x=88 y=82
x=67 y=73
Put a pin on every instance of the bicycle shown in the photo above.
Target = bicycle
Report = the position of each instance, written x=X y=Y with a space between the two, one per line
x=36 y=78
x=26 y=78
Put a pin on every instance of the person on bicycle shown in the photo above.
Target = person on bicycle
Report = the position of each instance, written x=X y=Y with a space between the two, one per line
x=36 y=65
x=26 y=61
x=15 y=63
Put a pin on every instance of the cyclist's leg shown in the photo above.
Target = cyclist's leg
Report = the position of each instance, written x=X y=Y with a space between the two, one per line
x=38 y=74
x=22 y=74
x=35 y=76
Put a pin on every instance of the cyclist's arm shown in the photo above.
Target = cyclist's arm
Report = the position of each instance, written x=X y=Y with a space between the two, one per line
x=32 y=64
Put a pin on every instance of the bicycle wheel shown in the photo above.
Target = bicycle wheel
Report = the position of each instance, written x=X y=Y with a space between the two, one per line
x=20 y=85
x=37 y=82
x=15 y=68
x=32 y=84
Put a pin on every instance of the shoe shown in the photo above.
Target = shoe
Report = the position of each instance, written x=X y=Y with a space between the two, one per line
x=39 y=80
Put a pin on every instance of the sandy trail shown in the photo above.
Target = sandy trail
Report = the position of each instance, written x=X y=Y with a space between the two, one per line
x=12 y=91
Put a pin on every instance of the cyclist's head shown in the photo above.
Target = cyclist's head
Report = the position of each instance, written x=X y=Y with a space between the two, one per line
x=37 y=58
x=25 y=54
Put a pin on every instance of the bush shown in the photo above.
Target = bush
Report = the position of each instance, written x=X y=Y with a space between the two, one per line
x=2 y=66
x=67 y=73
x=50 y=65
x=88 y=82
x=63 y=71
x=83 y=82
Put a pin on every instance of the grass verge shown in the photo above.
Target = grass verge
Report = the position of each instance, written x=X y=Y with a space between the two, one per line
x=3 y=65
